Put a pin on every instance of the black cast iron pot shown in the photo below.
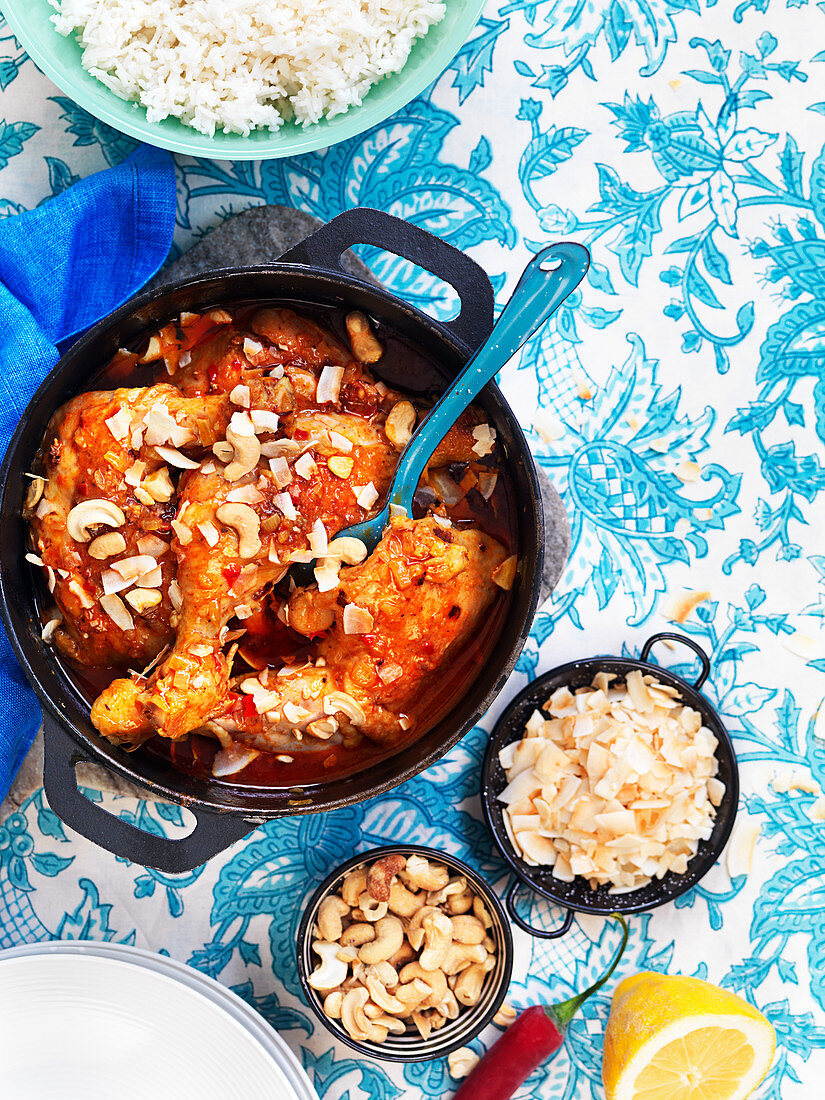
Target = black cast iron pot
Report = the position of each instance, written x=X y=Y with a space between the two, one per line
x=309 y=276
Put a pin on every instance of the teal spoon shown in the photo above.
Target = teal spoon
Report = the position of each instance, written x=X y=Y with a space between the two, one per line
x=550 y=277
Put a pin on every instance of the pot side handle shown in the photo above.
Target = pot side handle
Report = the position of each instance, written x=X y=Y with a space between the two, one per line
x=363 y=225
x=669 y=636
x=541 y=933
x=212 y=833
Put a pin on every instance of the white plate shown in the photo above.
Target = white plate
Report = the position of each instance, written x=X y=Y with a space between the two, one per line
x=108 y=1022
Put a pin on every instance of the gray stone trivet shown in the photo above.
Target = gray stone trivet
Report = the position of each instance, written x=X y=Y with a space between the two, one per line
x=259 y=236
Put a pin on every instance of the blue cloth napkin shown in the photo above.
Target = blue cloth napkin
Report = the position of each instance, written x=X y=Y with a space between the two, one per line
x=64 y=266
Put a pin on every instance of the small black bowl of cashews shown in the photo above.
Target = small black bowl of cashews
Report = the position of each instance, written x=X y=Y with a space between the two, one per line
x=405 y=953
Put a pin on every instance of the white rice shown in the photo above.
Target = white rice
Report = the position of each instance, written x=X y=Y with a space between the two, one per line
x=244 y=64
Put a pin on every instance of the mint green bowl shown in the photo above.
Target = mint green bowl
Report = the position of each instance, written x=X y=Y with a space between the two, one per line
x=59 y=59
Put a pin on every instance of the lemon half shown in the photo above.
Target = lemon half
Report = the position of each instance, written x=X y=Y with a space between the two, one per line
x=678 y=1038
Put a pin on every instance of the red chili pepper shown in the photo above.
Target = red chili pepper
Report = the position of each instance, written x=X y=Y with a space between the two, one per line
x=249 y=708
x=231 y=573
x=533 y=1037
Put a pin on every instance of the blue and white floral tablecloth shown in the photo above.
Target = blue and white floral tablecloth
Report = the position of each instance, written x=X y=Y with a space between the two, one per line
x=684 y=142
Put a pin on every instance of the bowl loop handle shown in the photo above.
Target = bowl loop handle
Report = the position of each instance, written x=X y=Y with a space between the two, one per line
x=542 y=933
x=669 y=636
x=212 y=834
x=363 y=225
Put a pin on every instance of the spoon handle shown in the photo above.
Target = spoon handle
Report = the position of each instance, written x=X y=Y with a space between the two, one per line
x=548 y=279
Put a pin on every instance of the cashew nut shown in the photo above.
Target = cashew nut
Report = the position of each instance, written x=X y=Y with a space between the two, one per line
x=380 y=876
x=246 y=453
x=456 y=885
x=403 y=955
x=330 y=911
x=332 y=972
x=333 y=1003
x=456 y=904
x=461 y=955
x=354 y=884
x=347 y=549
x=428 y=1021
x=505 y=1015
x=385 y=973
x=415 y=929
x=107 y=545
x=402 y=901
x=424 y=875
x=356 y=1021
x=400 y=424
x=245 y=522
x=438 y=936
x=93 y=513
x=357 y=934
x=386 y=1001
x=389 y=935
x=448 y=1006
x=35 y=492
x=365 y=346
x=467 y=929
x=462 y=1062
x=383 y=1020
x=159 y=485
x=435 y=979
x=468 y=987
x=480 y=910
x=373 y=910
x=143 y=599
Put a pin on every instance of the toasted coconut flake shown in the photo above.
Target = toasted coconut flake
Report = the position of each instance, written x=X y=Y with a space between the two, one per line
x=340 y=442
x=239 y=395
x=366 y=496
x=117 y=611
x=133 y=475
x=329 y=385
x=120 y=424
x=246 y=494
x=133 y=567
x=504 y=574
x=232 y=760
x=487 y=480
x=209 y=532
x=264 y=420
x=152 y=545
x=161 y=427
x=447 y=489
x=219 y=316
x=281 y=472
x=326 y=574
x=357 y=620
x=34 y=559
x=485 y=440
x=241 y=424
x=175 y=595
x=306 y=466
x=175 y=458
x=617 y=783
x=688 y=471
x=44 y=508
x=47 y=633
x=318 y=539
x=285 y=505
x=679 y=607
x=182 y=531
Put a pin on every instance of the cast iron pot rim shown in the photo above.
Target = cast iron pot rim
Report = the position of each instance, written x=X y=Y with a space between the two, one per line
x=625 y=904
x=488 y=895
x=338 y=281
